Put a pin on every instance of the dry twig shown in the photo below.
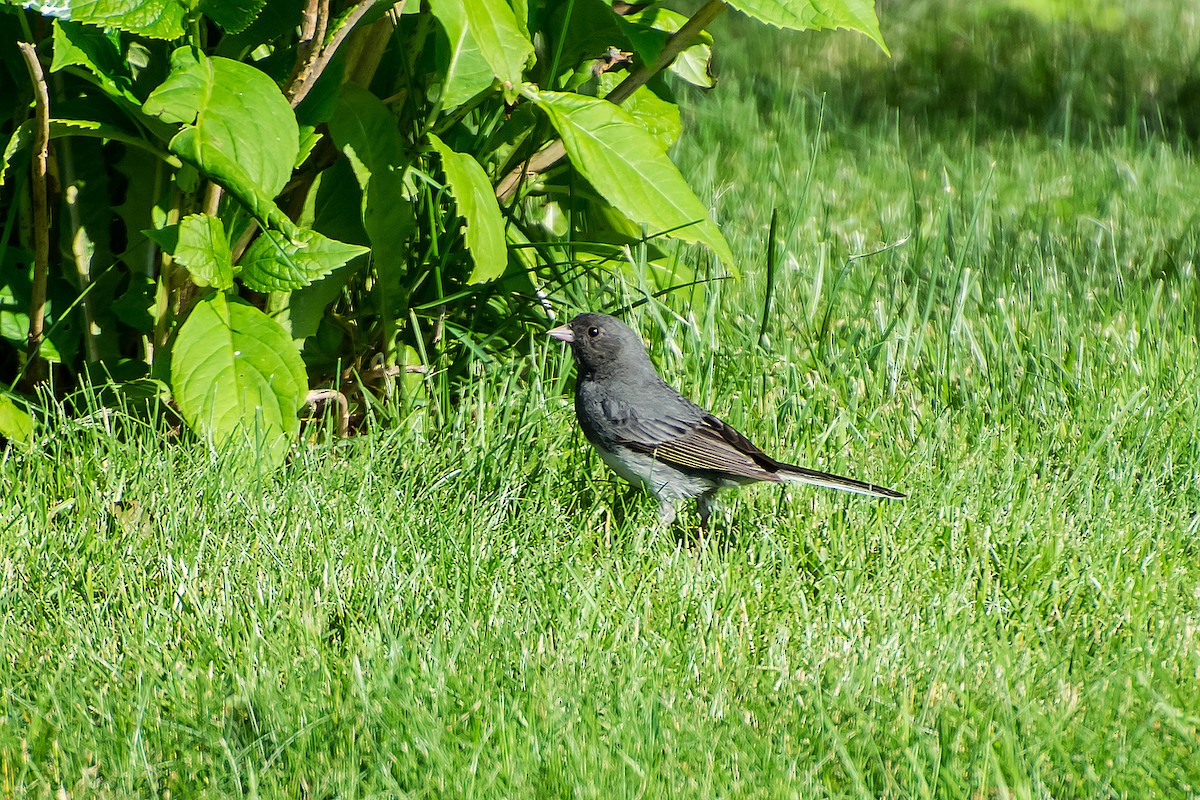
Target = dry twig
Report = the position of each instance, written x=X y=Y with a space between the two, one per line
x=37 y=371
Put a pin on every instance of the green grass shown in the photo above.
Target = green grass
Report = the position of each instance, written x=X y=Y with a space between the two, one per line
x=483 y=612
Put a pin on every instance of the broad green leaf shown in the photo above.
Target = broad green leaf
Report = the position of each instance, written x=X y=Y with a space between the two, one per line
x=166 y=237
x=15 y=423
x=493 y=27
x=22 y=138
x=325 y=350
x=694 y=65
x=157 y=19
x=237 y=111
x=334 y=205
x=302 y=310
x=648 y=31
x=659 y=117
x=213 y=162
x=236 y=375
x=476 y=201
x=320 y=105
x=808 y=15
x=388 y=216
x=363 y=123
x=334 y=208
x=630 y=168
x=467 y=72
x=204 y=249
x=234 y=16
x=365 y=130
x=199 y=243
x=14 y=324
x=87 y=46
x=521 y=13
x=277 y=263
x=97 y=51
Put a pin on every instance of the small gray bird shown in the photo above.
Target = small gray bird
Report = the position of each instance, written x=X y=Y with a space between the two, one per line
x=654 y=437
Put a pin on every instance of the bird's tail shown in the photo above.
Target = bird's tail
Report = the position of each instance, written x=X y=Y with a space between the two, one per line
x=812 y=477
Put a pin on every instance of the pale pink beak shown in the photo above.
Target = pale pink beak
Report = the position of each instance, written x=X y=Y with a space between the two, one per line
x=562 y=333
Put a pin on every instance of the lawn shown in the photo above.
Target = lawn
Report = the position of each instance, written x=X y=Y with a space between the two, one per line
x=984 y=295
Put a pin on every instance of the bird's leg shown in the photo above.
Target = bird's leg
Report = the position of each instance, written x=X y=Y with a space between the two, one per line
x=666 y=513
x=704 y=507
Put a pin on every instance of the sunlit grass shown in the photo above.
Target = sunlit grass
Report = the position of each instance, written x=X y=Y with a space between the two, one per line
x=1001 y=323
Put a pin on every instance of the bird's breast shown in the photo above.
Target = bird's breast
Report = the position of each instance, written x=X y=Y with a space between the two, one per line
x=662 y=480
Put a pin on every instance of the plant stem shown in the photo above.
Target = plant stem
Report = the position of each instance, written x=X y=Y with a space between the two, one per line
x=37 y=371
x=314 y=53
x=369 y=45
x=679 y=41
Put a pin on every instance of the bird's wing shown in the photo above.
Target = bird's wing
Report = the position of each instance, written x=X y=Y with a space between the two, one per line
x=703 y=443
x=717 y=446
x=685 y=435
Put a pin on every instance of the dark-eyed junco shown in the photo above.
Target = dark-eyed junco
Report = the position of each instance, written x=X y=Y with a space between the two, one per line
x=654 y=437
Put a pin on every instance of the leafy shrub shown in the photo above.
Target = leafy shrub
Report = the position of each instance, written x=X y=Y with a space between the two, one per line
x=221 y=205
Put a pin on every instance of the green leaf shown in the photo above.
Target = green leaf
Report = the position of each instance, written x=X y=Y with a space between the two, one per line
x=321 y=103
x=310 y=137
x=648 y=31
x=334 y=205
x=364 y=124
x=301 y=311
x=199 y=243
x=630 y=168
x=365 y=130
x=236 y=377
x=388 y=215
x=809 y=15
x=203 y=248
x=157 y=19
x=467 y=72
x=234 y=16
x=277 y=263
x=334 y=208
x=659 y=117
x=15 y=423
x=476 y=201
x=22 y=137
x=493 y=27
x=96 y=50
x=239 y=113
x=135 y=307
x=276 y=19
x=214 y=163
x=61 y=341
x=694 y=65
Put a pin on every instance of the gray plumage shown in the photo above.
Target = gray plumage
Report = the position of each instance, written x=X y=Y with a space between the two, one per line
x=654 y=437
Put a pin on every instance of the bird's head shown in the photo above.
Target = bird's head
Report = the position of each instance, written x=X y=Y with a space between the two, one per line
x=601 y=343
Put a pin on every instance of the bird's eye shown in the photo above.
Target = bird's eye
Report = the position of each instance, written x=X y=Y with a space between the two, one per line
x=593 y=332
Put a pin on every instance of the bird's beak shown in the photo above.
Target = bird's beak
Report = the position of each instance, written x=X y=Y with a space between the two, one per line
x=562 y=333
